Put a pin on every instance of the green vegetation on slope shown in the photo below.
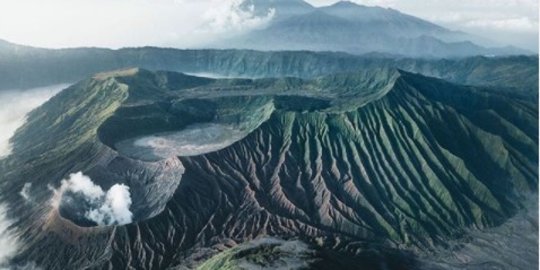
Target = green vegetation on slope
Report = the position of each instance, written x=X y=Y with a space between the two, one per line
x=371 y=160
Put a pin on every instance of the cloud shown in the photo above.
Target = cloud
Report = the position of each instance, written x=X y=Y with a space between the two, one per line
x=512 y=24
x=123 y=23
x=14 y=105
x=493 y=20
x=102 y=207
x=233 y=16
x=191 y=23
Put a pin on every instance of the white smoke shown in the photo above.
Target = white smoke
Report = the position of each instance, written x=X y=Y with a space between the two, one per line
x=25 y=191
x=115 y=210
x=14 y=105
x=107 y=208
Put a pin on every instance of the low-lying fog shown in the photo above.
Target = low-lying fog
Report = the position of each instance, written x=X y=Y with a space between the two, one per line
x=15 y=104
x=209 y=75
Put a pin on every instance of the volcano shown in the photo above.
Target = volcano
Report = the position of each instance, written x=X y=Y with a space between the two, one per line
x=380 y=167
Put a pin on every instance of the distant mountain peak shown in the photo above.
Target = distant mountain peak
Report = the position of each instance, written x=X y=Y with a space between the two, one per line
x=354 y=5
x=353 y=28
x=346 y=4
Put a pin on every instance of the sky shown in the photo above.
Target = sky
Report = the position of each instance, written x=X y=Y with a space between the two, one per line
x=187 y=23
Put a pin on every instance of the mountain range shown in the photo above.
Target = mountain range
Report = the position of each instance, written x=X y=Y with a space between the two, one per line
x=24 y=67
x=358 y=29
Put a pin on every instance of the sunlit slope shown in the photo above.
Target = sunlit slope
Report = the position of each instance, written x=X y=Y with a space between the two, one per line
x=412 y=167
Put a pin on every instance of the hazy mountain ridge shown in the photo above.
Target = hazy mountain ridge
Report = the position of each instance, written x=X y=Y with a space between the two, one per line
x=259 y=185
x=24 y=67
